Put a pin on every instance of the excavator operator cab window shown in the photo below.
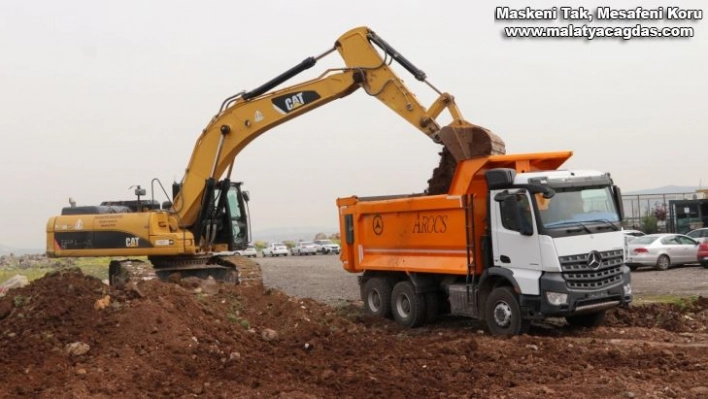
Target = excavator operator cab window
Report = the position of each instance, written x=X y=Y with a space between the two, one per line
x=239 y=223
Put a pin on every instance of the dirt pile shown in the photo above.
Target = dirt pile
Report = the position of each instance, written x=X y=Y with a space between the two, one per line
x=67 y=335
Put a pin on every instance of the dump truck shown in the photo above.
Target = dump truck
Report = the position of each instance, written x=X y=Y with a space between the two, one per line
x=515 y=239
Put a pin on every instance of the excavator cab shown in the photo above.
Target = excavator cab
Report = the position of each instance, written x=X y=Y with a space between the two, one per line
x=223 y=227
x=235 y=214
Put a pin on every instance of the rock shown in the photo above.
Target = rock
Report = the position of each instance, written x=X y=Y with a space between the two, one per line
x=533 y=347
x=701 y=390
x=17 y=281
x=269 y=335
x=81 y=372
x=76 y=348
x=132 y=286
x=209 y=286
x=102 y=303
x=234 y=356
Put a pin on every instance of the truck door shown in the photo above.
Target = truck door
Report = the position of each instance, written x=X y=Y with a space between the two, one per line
x=510 y=218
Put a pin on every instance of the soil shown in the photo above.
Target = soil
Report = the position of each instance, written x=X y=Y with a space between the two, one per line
x=460 y=143
x=68 y=335
x=441 y=180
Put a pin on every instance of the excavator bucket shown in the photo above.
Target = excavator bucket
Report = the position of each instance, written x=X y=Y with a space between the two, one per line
x=470 y=141
x=460 y=143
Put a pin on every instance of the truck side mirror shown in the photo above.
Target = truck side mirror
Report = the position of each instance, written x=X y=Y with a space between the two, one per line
x=246 y=196
x=503 y=196
x=617 y=195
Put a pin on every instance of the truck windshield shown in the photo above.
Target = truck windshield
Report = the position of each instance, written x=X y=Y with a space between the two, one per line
x=578 y=206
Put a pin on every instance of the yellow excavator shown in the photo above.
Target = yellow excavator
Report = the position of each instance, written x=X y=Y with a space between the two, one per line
x=207 y=216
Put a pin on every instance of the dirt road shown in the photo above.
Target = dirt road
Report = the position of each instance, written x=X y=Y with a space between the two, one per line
x=322 y=278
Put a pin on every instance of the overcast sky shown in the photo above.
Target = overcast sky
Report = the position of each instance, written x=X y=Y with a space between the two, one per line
x=98 y=96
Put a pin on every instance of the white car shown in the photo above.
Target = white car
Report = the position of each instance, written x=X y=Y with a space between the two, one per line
x=304 y=248
x=327 y=247
x=700 y=235
x=249 y=252
x=275 y=249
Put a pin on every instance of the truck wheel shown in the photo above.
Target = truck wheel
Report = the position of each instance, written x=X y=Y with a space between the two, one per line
x=633 y=267
x=408 y=308
x=663 y=263
x=377 y=297
x=503 y=313
x=590 y=320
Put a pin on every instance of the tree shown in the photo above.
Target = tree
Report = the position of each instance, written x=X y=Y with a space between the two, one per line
x=649 y=223
x=659 y=212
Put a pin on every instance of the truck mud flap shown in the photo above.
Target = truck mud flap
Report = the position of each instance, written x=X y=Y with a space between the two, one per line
x=463 y=300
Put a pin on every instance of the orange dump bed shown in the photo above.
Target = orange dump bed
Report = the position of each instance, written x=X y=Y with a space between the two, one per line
x=428 y=233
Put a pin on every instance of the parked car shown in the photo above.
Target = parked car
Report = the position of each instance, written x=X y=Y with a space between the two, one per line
x=631 y=234
x=702 y=257
x=249 y=252
x=327 y=247
x=700 y=235
x=304 y=248
x=275 y=249
x=661 y=251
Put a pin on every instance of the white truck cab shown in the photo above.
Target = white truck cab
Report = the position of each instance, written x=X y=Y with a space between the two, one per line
x=558 y=234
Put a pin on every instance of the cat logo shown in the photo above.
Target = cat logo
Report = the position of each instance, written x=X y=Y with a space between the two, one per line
x=292 y=101
x=79 y=225
x=132 y=242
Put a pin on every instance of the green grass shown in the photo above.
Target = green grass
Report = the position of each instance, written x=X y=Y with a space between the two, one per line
x=664 y=298
x=97 y=267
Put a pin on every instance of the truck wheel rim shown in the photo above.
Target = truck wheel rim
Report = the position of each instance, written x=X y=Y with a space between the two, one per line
x=403 y=305
x=502 y=314
x=374 y=301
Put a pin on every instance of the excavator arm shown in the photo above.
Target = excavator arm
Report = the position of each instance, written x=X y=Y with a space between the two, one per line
x=247 y=115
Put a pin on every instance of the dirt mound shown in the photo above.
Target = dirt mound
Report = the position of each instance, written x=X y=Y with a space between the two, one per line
x=67 y=335
x=687 y=316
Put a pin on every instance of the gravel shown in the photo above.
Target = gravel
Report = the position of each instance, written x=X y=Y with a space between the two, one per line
x=322 y=277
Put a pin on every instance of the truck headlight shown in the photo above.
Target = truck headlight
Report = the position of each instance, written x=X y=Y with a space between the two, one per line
x=627 y=289
x=556 y=298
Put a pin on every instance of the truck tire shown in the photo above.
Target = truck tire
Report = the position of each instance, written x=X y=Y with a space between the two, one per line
x=503 y=314
x=408 y=308
x=590 y=320
x=377 y=297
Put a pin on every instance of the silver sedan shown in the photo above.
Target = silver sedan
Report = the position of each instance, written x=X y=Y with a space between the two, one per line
x=661 y=251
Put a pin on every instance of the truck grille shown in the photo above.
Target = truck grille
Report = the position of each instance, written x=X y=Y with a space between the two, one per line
x=580 y=276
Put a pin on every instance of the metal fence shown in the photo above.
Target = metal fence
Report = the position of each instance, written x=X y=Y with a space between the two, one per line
x=639 y=206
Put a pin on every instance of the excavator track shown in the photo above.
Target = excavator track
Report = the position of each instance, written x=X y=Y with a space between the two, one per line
x=231 y=269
